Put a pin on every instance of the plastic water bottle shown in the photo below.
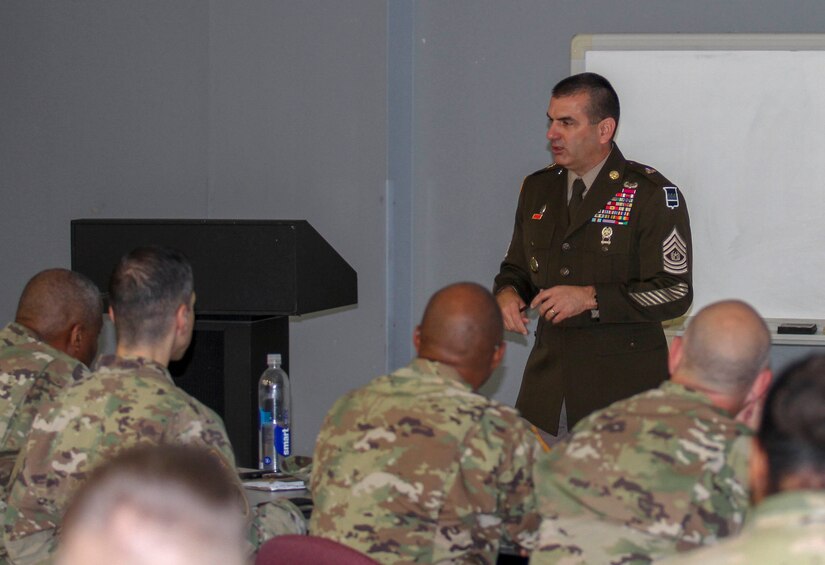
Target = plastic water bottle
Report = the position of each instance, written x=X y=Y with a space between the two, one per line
x=274 y=438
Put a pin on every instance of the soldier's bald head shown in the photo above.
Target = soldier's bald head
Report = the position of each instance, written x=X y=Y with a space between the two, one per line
x=725 y=347
x=462 y=326
x=56 y=299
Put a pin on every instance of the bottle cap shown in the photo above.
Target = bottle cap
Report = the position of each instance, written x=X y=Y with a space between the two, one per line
x=273 y=358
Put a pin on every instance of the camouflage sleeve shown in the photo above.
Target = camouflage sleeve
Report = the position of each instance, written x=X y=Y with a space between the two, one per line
x=720 y=500
x=200 y=425
x=45 y=476
x=275 y=518
x=493 y=492
x=517 y=503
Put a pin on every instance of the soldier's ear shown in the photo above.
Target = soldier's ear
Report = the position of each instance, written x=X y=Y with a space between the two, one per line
x=607 y=128
x=417 y=339
x=674 y=355
x=498 y=354
x=111 y=314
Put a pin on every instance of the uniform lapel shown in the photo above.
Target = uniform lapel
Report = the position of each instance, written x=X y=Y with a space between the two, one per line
x=602 y=190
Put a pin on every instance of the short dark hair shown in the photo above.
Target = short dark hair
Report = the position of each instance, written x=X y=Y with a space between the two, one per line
x=604 y=102
x=145 y=289
x=188 y=490
x=792 y=430
x=55 y=299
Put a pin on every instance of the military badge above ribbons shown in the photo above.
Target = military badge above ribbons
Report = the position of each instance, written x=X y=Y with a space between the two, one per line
x=674 y=253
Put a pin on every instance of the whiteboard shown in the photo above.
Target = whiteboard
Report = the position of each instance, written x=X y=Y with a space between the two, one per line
x=741 y=130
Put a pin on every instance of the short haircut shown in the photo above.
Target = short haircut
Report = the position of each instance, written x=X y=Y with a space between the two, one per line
x=792 y=430
x=55 y=299
x=145 y=290
x=604 y=102
x=726 y=346
x=464 y=319
x=184 y=497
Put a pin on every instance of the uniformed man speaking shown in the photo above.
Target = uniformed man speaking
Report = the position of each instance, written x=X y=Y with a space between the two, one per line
x=601 y=248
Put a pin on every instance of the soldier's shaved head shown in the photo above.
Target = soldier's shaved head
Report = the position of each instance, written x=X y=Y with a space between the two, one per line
x=725 y=347
x=462 y=327
x=54 y=302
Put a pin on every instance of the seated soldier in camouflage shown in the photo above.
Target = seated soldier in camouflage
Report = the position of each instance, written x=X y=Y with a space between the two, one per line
x=787 y=478
x=415 y=467
x=48 y=347
x=130 y=399
x=665 y=470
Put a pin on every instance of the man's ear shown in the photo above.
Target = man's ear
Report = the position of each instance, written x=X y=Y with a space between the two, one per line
x=111 y=314
x=607 y=129
x=762 y=383
x=417 y=339
x=76 y=335
x=498 y=355
x=674 y=355
x=182 y=319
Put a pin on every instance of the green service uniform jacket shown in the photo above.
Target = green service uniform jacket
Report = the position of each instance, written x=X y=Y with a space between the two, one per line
x=630 y=238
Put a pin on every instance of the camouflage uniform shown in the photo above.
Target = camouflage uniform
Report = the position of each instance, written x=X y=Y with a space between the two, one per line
x=417 y=468
x=31 y=372
x=124 y=403
x=785 y=529
x=660 y=472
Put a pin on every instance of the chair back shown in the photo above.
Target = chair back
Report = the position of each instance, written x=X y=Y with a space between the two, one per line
x=309 y=550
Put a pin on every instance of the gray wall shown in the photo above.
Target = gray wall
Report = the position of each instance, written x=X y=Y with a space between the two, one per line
x=400 y=130
x=191 y=109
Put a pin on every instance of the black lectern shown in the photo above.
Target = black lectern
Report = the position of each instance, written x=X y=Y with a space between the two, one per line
x=250 y=275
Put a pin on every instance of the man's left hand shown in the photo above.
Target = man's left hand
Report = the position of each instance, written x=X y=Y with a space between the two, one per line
x=561 y=302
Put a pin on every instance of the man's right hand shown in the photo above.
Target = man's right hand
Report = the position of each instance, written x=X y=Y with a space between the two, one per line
x=512 y=310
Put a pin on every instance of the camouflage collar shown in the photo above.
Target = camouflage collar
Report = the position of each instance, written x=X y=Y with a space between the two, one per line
x=146 y=366
x=803 y=503
x=428 y=367
x=18 y=333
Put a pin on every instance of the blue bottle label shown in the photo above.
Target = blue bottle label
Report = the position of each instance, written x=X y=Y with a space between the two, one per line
x=283 y=441
x=265 y=417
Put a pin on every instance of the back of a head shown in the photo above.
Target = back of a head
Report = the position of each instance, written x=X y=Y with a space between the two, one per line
x=792 y=430
x=159 y=505
x=604 y=102
x=55 y=299
x=145 y=289
x=726 y=346
x=462 y=326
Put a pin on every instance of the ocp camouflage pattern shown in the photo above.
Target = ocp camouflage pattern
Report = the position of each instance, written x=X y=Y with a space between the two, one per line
x=661 y=472
x=416 y=468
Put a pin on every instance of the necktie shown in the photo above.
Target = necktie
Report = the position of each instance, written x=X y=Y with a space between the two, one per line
x=575 y=199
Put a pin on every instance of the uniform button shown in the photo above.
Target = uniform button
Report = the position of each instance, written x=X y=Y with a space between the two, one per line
x=565 y=246
x=532 y=244
x=534 y=265
x=564 y=271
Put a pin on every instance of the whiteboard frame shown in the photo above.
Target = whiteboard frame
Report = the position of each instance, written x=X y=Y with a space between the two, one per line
x=582 y=43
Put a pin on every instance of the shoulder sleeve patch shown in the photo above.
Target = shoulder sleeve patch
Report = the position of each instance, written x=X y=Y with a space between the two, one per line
x=671 y=196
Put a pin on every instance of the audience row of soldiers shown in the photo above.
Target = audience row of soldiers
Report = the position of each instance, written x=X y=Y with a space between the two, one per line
x=416 y=466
